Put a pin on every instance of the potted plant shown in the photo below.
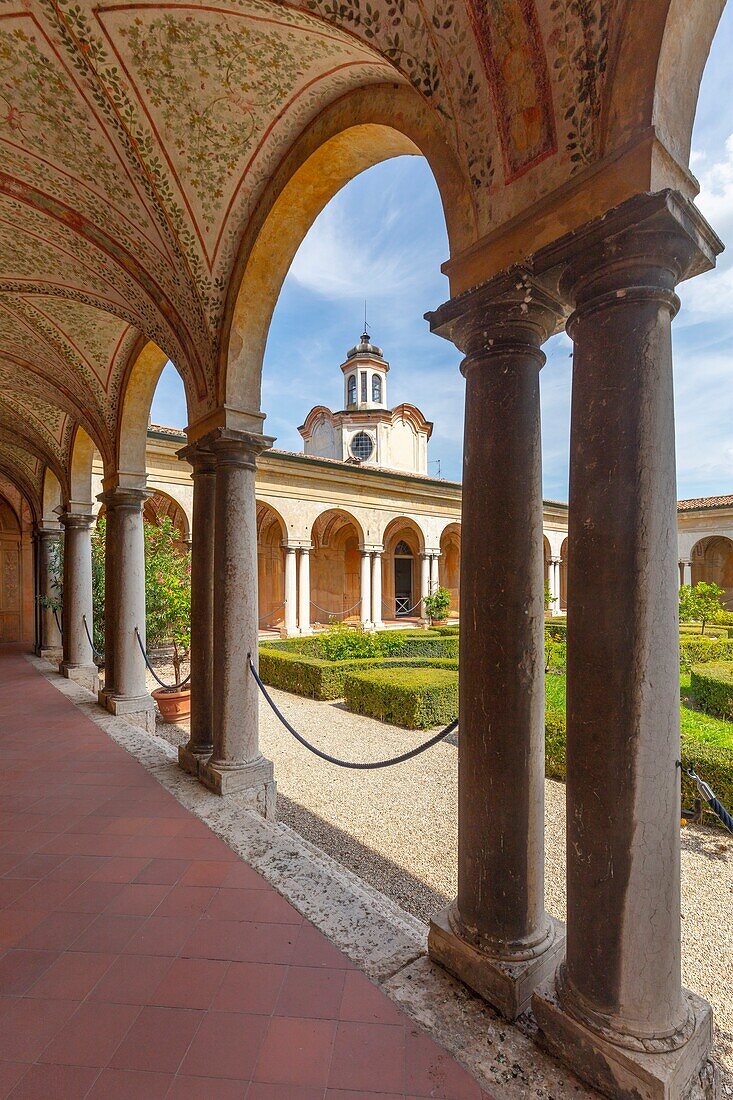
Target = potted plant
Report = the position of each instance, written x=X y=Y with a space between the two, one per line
x=168 y=611
x=437 y=605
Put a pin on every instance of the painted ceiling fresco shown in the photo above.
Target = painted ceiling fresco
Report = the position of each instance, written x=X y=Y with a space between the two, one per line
x=136 y=139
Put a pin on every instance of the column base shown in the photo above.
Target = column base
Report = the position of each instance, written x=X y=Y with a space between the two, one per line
x=506 y=985
x=86 y=676
x=620 y=1072
x=255 y=780
x=51 y=653
x=139 y=709
x=192 y=762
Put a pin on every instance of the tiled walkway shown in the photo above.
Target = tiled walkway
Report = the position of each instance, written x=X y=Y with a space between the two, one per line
x=141 y=958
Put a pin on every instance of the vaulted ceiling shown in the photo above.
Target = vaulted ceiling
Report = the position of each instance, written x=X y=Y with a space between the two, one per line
x=137 y=138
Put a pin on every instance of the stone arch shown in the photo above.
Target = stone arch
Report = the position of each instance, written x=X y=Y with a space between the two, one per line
x=138 y=389
x=271 y=531
x=52 y=496
x=404 y=542
x=449 y=565
x=564 y=576
x=363 y=128
x=712 y=562
x=335 y=566
x=162 y=506
x=654 y=79
x=80 y=474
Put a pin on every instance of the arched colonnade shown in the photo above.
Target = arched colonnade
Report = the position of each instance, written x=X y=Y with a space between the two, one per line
x=568 y=201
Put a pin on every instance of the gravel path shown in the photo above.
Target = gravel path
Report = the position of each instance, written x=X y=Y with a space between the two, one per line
x=396 y=828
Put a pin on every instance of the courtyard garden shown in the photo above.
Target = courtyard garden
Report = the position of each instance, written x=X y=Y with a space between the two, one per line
x=409 y=679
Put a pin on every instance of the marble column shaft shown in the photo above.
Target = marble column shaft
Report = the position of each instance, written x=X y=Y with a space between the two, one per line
x=304 y=590
x=48 y=540
x=497 y=937
x=236 y=764
x=366 y=588
x=78 y=663
x=291 y=591
x=377 y=589
x=200 y=743
x=616 y=1010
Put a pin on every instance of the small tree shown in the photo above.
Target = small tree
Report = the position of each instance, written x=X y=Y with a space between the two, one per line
x=700 y=602
x=438 y=604
x=167 y=591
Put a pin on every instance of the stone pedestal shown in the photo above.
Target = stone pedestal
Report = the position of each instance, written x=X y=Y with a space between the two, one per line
x=78 y=663
x=125 y=690
x=616 y=1011
x=236 y=764
x=200 y=744
x=497 y=937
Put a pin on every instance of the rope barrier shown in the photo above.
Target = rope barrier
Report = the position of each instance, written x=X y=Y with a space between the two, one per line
x=271 y=613
x=706 y=792
x=95 y=652
x=408 y=611
x=333 y=614
x=151 y=670
x=368 y=766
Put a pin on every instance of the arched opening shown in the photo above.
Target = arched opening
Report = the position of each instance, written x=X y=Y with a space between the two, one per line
x=449 y=565
x=11 y=575
x=270 y=567
x=335 y=568
x=712 y=562
x=160 y=506
x=564 y=576
x=403 y=543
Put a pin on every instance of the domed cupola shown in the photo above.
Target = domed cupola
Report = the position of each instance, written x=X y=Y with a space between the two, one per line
x=365 y=376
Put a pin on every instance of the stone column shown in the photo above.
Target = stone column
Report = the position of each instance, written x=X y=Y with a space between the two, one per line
x=200 y=743
x=125 y=687
x=366 y=588
x=555 y=585
x=377 y=589
x=48 y=542
x=290 y=628
x=304 y=590
x=434 y=572
x=425 y=560
x=686 y=572
x=616 y=1010
x=496 y=937
x=78 y=663
x=236 y=764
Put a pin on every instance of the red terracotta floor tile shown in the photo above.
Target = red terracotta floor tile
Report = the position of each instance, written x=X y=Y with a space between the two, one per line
x=363 y=1002
x=207 y=873
x=120 y=869
x=207 y=1088
x=10 y=1074
x=160 y=936
x=226 y=1045
x=190 y=983
x=186 y=901
x=313 y=949
x=89 y=897
x=250 y=987
x=241 y=941
x=72 y=977
x=92 y=1035
x=163 y=872
x=56 y=932
x=132 y=979
x=59 y=1082
x=259 y=1090
x=253 y=905
x=108 y=933
x=296 y=1052
x=360 y=1094
x=158 y=1040
x=311 y=992
x=16 y=923
x=137 y=899
x=30 y=1025
x=243 y=877
x=19 y=970
x=370 y=1057
x=125 y=1084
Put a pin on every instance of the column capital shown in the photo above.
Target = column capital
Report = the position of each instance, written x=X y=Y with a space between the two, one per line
x=511 y=314
x=297 y=544
x=234 y=448
x=44 y=530
x=371 y=548
x=642 y=248
x=121 y=496
x=199 y=456
x=77 y=519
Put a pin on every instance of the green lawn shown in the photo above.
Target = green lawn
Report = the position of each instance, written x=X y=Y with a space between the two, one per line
x=700 y=727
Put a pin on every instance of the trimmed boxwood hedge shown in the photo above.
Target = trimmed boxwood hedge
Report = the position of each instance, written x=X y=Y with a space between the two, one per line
x=712 y=689
x=416 y=698
x=698 y=650
x=321 y=679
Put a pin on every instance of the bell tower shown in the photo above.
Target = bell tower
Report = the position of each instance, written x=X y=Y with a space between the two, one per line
x=365 y=377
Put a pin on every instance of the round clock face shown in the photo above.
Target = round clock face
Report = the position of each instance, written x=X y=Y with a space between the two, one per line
x=362 y=446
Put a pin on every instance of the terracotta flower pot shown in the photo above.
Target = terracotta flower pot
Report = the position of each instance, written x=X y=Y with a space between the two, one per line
x=173 y=705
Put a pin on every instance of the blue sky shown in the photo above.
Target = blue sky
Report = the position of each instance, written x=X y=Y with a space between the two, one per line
x=383 y=239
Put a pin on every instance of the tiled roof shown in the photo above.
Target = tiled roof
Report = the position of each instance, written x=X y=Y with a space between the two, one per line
x=695 y=503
